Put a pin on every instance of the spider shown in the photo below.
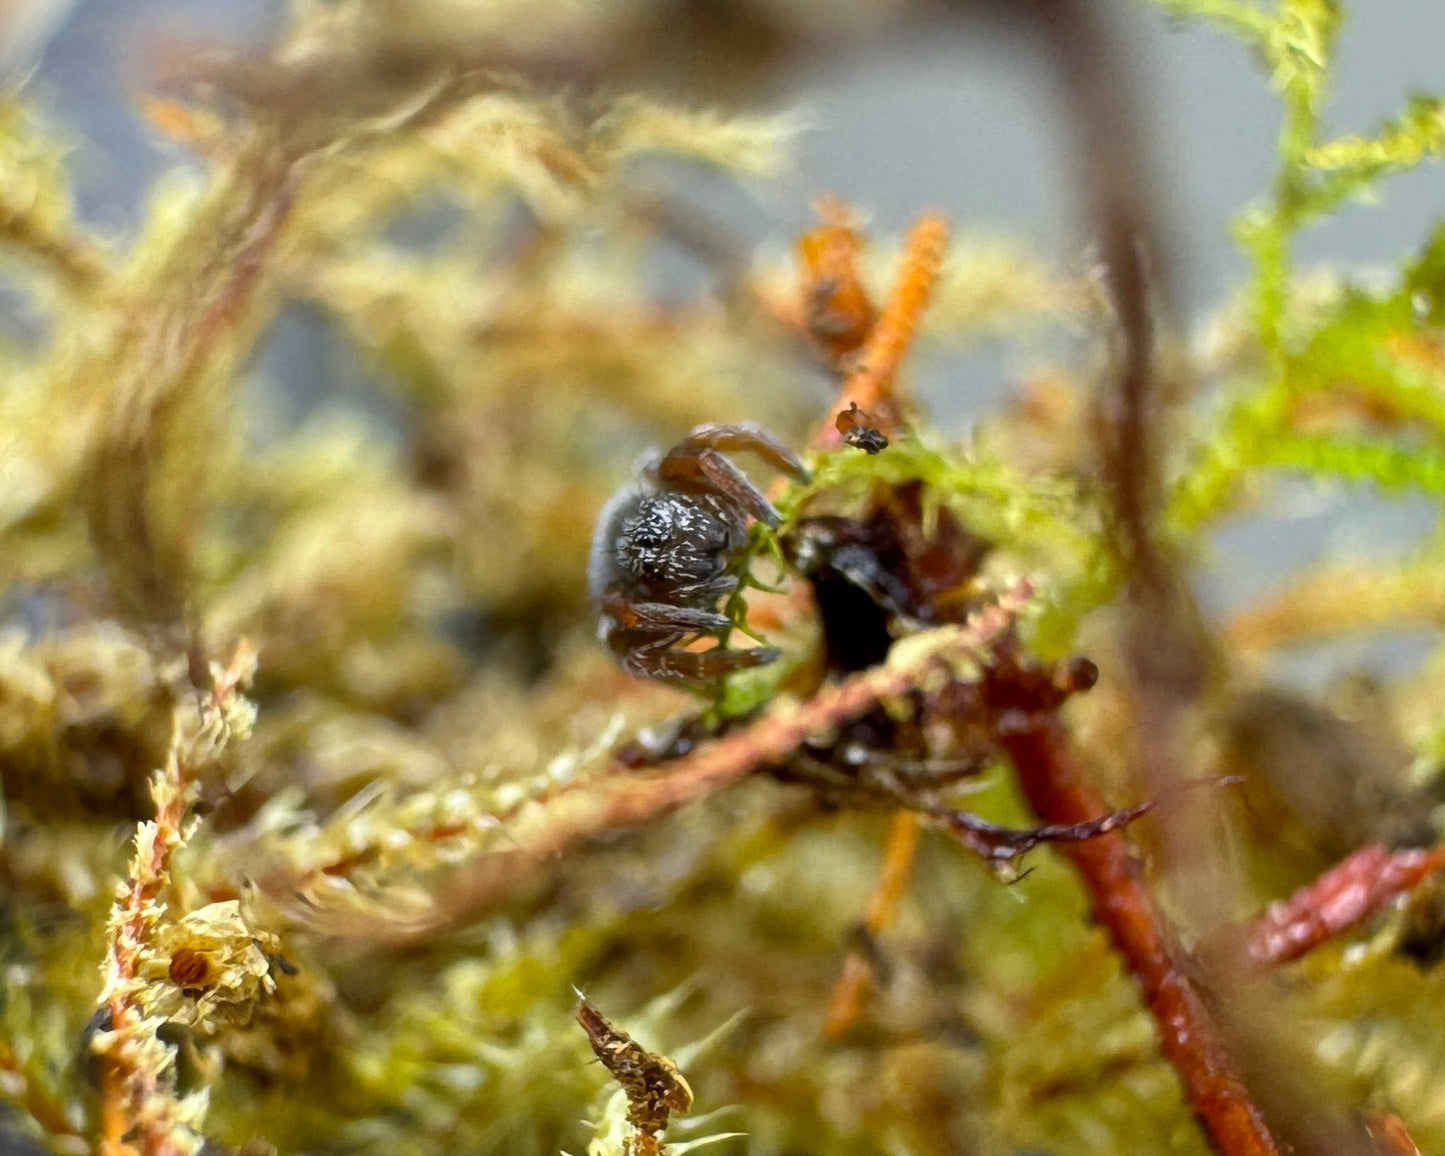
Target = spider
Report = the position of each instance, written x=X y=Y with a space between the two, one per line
x=669 y=547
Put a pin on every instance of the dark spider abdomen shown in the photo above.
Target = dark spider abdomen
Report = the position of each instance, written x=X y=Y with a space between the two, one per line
x=672 y=543
x=669 y=548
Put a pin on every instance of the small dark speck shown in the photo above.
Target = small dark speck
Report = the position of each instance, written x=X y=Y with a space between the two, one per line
x=866 y=438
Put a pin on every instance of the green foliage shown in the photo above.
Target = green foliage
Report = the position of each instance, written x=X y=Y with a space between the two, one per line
x=1311 y=355
x=378 y=896
x=1042 y=525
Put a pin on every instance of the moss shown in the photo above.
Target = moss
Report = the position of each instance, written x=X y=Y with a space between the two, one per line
x=340 y=906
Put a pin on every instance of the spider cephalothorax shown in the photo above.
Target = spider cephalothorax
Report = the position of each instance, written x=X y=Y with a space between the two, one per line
x=670 y=547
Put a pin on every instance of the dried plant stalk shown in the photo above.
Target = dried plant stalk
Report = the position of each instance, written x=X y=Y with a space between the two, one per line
x=554 y=827
x=141 y=1112
x=888 y=894
x=872 y=383
x=653 y=1085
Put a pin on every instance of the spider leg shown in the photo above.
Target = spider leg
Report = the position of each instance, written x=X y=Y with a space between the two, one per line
x=708 y=471
x=698 y=463
x=710 y=589
x=1001 y=845
x=745 y=437
x=665 y=662
x=662 y=617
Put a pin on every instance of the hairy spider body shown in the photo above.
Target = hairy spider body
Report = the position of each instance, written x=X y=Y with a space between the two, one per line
x=670 y=545
x=669 y=548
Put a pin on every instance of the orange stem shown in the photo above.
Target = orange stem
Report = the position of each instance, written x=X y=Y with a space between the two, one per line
x=888 y=894
x=1059 y=792
x=872 y=385
x=556 y=825
x=836 y=311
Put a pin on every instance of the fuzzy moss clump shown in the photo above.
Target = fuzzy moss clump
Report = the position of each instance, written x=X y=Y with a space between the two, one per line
x=320 y=794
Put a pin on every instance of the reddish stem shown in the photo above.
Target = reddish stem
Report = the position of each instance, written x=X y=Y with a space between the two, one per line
x=1391 y=1136
x=851 y=990
x=593 y=808
x=1352 y=889
x=1059 y=792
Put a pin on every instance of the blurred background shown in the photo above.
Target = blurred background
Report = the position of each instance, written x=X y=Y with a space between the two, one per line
x=985 y=150
x=902 y=112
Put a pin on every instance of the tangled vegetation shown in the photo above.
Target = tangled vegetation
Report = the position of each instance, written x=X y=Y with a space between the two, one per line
x=320 y=795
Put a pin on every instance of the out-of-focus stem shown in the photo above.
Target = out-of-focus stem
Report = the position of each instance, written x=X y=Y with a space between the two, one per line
x=46 y=1111
x=1348 y=892
x=1060 y=793
x=883 y=904
x=872 y=385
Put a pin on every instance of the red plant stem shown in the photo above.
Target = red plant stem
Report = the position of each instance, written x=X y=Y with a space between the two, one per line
x=1059 y=793
x=127 y=1082
x=1391 y=1136
x=130 y=1079
x=1349 y=891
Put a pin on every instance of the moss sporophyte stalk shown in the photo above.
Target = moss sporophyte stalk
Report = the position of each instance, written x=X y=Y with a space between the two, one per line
x=911 y=800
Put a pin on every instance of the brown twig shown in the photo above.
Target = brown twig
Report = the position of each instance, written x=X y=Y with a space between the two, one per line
x=70 y=257
x=872 y=383
x=654 y=1087
x=842 y=320
x=1113 y=177
x=1060 y=793
x=1348 y=892
x=556 y=826
x=1167 y=659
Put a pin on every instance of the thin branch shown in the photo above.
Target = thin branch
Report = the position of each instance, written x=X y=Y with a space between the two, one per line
x=1167 y=659
x=621 y=801
x=872 y=383
x=842 y=319
x=888 y=893
x=69 y=257
x=1113 y=175
x=141 y=1110
x=155 y=365
x=1060 y=793
x=1348 y=892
